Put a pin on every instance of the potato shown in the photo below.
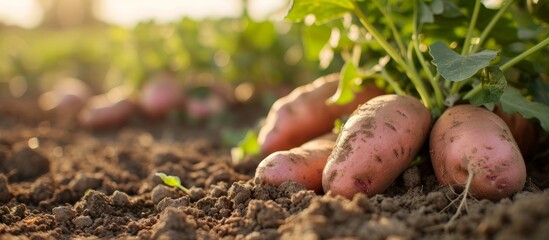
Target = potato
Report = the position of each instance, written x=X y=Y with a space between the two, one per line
x=103 y=114
x=303 y=114
x=377 y=143
x=303 y=164
x=523 y=131
x=472 y=140
x=160 y=95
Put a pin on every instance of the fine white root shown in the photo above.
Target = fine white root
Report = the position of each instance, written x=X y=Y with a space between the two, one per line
x=463 y=203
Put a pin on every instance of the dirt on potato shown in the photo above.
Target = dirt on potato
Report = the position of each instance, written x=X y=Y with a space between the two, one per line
x=60 y=182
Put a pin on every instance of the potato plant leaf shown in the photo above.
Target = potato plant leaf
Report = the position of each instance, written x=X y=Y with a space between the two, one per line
x=539 y=90
x=347 y=85
x=512 y=102
x=322 y=10
x=314 y=39
x=450 y=9
x=426 y=15
x=493 y=85
x=455 y=67
x=437 y=7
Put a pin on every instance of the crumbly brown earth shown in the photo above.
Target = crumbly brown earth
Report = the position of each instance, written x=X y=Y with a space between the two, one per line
x=64 y=183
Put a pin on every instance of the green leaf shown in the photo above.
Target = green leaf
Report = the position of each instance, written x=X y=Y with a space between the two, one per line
x=451 y=10
x=172 y=181
x=539 y=90
x=455 y=67
x=322 y=10
x=249 y=146
x=314 y=39
x=437 y=6
x=426 y=15
x=512 y=102
x=347 y=85
x=338 y=126
x=493 y=85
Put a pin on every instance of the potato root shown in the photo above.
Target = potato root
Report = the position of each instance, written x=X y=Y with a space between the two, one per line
x=303 y=114
x=303 y=164
x=377 y=143
x=472 y=140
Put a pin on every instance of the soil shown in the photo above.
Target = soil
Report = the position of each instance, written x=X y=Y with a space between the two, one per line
x=62 y=182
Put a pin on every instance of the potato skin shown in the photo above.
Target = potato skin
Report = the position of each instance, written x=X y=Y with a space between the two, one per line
x=107 y=116
x=303 y=114
x=523 y=131
x=303 y=164
x=377 y=143
x=472 y=138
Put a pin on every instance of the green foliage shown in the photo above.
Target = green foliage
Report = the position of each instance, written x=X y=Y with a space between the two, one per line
x=349 y=83
x=322 y=10
x=512 y=102
x=492 y=86
x=172 y=181
x=539 y=90
x=249 y=146
x=455 y=67
x=510 y=36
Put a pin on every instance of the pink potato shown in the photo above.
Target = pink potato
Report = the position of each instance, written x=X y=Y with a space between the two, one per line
x=303 y=164
x=67 y=97
x=303 y=114
x=523 y=131
x=160 y=95
x=377 y=143
x=472 y=140
x=104 y=114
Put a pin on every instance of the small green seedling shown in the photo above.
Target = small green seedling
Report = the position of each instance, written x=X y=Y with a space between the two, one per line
x=173 y=181
x=249 y=146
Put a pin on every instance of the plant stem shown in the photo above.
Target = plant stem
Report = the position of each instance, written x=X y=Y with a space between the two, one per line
x=414 y=77
x=473 y=92
x=184 y=189
x=467 y=43
x=525 y=54
x=491 y=24
x=415 y=40
x=392 y=82
x=387 y=14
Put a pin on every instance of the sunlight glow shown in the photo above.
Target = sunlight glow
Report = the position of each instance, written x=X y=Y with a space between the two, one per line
x=28 y=13
x=23 y=13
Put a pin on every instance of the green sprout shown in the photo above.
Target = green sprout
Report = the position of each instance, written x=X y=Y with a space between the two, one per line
x=173 y=181
x=249 y=146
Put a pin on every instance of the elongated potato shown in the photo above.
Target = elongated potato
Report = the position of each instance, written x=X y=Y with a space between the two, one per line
x=472 y=140
x=302 y=164
x=377 y=143
x=303 y=114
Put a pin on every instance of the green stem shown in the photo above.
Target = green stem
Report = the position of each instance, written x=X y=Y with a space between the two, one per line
x=472 y=24
x=391 y=23
x=414 y=77
x=392 y=82
x=525 y=54
x=466 y=45
x=184 y=189
x=473 y=92
x=415 y=39
x=491 y=24
x=380 y=39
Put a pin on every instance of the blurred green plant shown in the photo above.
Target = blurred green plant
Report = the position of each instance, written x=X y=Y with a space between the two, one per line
x=232 y=50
